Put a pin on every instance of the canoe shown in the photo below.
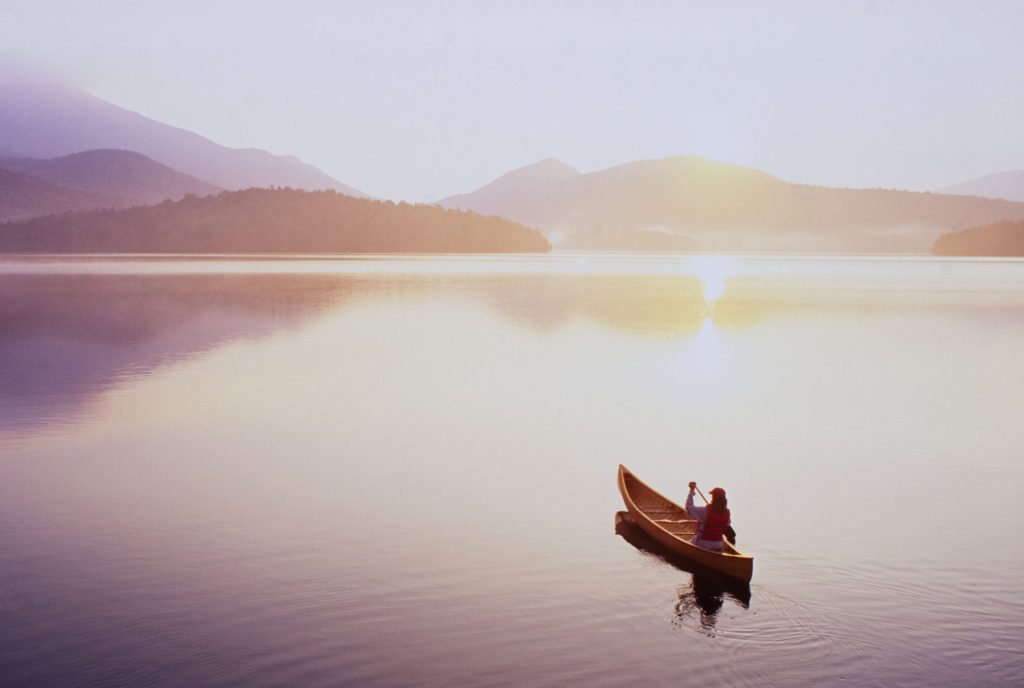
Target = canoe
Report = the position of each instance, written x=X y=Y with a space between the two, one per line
x=670 y=525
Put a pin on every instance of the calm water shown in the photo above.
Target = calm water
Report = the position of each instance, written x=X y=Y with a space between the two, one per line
x=380 y=472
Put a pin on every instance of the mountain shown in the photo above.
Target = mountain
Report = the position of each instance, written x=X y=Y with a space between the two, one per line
x=44 y=121
x=1008 y=185
x=997 y=239
x=23 y=196
x=507 y=193
x=270 y=221
x=130 y=177
x=723 y=207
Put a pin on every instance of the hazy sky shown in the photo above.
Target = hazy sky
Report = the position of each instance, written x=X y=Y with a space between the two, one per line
x=419 y=100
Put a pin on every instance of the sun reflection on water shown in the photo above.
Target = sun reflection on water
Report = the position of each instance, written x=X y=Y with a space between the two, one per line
x=713 y=273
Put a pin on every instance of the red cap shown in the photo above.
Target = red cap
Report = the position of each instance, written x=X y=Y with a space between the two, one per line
x=718 y=491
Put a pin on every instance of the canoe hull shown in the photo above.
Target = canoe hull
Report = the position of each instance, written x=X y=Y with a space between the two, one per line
x=670 y=526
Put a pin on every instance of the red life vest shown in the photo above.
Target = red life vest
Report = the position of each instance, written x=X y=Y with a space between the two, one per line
x=714 y=525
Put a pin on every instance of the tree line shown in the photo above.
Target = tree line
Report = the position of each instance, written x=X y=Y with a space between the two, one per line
x=280 y=220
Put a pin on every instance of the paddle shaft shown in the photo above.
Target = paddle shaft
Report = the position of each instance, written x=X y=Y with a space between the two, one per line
x=702 y=495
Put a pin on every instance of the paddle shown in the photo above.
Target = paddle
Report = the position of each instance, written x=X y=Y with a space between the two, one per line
x=701 y=495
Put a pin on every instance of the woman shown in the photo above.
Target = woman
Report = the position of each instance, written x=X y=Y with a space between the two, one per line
x=713 y=520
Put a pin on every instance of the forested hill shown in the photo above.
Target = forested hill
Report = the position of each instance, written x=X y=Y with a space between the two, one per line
x=1004 y=238
x=271 y=221
x=23 y=196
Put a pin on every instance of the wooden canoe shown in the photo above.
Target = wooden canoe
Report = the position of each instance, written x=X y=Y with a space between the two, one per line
x=670 y=525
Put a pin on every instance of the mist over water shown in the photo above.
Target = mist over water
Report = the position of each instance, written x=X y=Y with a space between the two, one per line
x=379 y=472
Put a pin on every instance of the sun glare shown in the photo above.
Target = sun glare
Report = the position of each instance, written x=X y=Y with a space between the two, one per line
x=713 y=272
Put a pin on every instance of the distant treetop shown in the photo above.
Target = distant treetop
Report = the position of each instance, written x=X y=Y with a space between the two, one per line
x=1005 y=238
x=271 y=221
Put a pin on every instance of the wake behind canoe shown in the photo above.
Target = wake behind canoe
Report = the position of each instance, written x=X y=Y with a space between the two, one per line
x=670 y=525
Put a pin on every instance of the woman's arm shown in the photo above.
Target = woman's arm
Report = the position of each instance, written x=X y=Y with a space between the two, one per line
x=696 y=512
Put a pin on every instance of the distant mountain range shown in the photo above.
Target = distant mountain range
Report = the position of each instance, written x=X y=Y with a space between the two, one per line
x=721 y=207
x=514 y=189
x=23 y=196
x=63 y=150
x=129 y=177
x=46 y=121
x=31 y=187
x=270 y=221
x=1007 y=185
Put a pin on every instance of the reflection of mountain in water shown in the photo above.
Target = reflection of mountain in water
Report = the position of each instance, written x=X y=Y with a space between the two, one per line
x=65 y=338
x=708 y=590
x=653 y=305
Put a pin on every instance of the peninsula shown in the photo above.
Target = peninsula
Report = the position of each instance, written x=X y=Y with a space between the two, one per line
x=271 y=221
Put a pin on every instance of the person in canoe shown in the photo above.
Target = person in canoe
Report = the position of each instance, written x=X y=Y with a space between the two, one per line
x=714 y=520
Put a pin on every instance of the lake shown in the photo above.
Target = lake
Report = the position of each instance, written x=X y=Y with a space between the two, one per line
x=374 y=471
